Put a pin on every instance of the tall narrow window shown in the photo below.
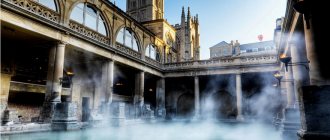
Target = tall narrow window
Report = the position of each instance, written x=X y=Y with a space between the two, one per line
x=152 y=52
x=48 y=3
x=128 y=39
x=89 y=16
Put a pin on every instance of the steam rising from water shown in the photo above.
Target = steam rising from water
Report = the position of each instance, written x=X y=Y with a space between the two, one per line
x=170 y=131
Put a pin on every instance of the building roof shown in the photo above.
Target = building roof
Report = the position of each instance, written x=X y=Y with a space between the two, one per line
x=257 y=45
x=221 y=44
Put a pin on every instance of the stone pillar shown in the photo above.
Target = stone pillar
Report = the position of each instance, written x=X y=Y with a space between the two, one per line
x=197 y=100
x=139 y=93
x=314 y=67
x=314 y=99
x=239 y=97
x=289 y=87
x=53 y=85
x=160 y=98
x=300 y=72
x=107 y=84
x=76 y=95
x=5 y=85
x=119 y=116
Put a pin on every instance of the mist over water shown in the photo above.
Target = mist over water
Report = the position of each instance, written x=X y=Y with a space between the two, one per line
x=256 y=126
x=168 y=131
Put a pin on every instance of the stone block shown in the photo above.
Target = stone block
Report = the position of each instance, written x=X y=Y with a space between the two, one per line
x=9 y=117
x=315 y=112
x=65 y=117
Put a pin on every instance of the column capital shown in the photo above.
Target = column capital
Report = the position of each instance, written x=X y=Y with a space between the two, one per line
x=61 y=42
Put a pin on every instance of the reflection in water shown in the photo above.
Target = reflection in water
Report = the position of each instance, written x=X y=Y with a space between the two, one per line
x=169 y=131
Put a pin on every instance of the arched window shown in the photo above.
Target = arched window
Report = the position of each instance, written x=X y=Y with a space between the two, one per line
x=127 y=38
x=152 y=52
x=90 y=17
x=48 y=3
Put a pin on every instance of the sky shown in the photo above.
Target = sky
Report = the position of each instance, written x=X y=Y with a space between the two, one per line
x=226 y=20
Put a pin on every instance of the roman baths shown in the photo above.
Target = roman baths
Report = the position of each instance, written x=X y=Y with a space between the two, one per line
x=88 y=69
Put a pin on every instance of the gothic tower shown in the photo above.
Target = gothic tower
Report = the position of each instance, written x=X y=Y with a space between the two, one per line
x=145 y=10
x=188 y=34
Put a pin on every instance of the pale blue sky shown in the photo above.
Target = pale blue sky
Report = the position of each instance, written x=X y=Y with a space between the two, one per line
x=226 y=20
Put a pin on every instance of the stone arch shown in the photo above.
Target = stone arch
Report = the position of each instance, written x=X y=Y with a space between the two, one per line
x=99 y=13
x=185 y=105
x=139 y=44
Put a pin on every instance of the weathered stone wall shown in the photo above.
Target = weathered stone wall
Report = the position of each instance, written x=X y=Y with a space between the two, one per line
x=27 y=112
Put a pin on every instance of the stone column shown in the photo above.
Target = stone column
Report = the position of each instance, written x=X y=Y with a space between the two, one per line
x=314 y=67
x=300 y=72
x=314 y=99
x=197 y=100
x=290 y=123
x=107 y=84
x=289 y=87
x=53 y=84
x=139 y=93
x=5 y=85
x=160 y=98
x=239 y=97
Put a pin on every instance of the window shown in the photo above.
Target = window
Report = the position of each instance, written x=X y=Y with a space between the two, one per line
x=134 y=4
x=127 y=38
x=243 y=51
x=255 y=49
x=152 y=52
x=144 y=2
x=90 y=17
x=48 y=3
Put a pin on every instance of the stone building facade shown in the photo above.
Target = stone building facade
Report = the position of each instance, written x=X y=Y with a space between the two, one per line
x=85 y=58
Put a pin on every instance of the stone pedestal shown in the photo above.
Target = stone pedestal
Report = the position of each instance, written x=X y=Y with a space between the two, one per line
x=65 y=116
x=315 y=113
x=119 y=118
x=160 y=99
x=290 y=124
x=9 y=117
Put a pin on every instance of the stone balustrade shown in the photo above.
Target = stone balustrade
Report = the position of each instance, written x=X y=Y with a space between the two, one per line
x=128 y=51
x=233 y=61
x=36 y=9
x=89 y=32
x=153 y=62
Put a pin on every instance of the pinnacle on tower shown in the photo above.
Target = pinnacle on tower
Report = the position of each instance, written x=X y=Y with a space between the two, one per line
x=182 y=14
x=188 y=16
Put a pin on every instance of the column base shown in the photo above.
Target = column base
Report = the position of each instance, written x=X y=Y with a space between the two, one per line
x=47 y=112
x=305 y=135
x=290 y=124
x=315 y=112
x=240 y=118
x=65 y=117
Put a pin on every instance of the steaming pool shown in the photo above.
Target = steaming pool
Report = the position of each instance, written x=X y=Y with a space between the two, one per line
x=169 y=131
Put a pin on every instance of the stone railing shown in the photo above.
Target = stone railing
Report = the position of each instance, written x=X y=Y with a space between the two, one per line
x=128 y=51
x=234 y=61
x=89 y=32
x=36 y=8
x=153 y=62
